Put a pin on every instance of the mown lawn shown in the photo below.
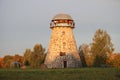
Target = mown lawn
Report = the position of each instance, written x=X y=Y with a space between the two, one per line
x=61 y=74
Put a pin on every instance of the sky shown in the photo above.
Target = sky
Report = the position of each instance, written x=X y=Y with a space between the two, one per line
x=24 y=23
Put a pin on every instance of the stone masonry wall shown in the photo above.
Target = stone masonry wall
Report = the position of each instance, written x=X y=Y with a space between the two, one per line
x=62 y=40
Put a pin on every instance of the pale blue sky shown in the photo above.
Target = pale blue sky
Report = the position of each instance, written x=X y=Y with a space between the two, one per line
x=24 y=23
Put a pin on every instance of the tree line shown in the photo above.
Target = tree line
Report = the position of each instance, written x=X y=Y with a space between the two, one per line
x=30 y=59
x=99 y=53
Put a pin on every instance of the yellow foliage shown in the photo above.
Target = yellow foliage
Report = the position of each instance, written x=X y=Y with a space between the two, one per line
x=114 y=60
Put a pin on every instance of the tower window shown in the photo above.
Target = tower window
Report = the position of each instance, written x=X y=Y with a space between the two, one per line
x=62 y=53
x=63 y=32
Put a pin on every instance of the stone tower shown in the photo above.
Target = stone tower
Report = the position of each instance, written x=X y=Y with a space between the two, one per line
x=62 y=49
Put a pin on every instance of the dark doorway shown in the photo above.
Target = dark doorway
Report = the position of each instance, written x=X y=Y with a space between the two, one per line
x=65 y=64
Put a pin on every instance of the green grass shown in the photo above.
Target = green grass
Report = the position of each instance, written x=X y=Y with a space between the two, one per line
x=61 y=74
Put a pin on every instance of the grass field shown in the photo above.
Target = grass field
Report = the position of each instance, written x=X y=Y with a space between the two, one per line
x=61 y=74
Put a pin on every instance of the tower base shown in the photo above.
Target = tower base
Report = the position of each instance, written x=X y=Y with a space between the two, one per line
x=66 y=61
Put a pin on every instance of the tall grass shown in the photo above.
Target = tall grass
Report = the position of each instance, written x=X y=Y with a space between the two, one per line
x=61 y=74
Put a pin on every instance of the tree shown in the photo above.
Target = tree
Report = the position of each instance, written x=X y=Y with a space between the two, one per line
x=1 y=63
x=101 y=47
x=7 y=61
x=27 y=57
x=37 y=56
x=114 y=60
x=18 y=58
x=82 y=56
x=86 y=57
x=26 y=63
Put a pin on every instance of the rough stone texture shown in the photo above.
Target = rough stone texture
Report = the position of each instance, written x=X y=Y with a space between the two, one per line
x=62 y=49
x=62 y=41
x=71 y=62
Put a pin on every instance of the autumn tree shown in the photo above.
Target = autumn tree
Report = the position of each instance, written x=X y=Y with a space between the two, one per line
x=114 y=60
x=37 y=56
x=18 y=58
x=1 y=63
x=101 y=47
x=86 y=57
x=7 y=61
x=27 y=57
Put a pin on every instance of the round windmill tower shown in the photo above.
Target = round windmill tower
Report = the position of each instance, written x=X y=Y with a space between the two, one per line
x=62 y=49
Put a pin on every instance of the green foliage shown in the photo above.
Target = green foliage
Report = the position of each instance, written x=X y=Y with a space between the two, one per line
x=101 y=47
x=61 y=74
x=99 y=61
x=26 y=63
x=82 y=56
